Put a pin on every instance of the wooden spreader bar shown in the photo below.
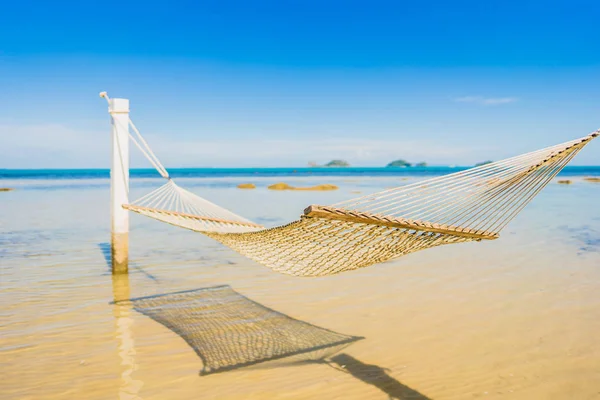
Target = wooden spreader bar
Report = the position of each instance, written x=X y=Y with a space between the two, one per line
x=135 y=208
x=395 y=222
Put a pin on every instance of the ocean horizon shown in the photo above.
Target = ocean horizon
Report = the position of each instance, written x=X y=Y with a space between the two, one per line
x=208 y=172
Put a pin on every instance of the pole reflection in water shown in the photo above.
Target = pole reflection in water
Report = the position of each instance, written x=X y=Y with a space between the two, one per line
x=129 y=387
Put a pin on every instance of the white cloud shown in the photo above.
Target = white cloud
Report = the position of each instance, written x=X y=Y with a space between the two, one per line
x=486 y=100
x=59 y=146
x=51 y=146
x=298 y=152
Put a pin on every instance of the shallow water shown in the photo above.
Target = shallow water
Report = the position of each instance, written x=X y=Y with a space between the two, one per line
x=513 y=318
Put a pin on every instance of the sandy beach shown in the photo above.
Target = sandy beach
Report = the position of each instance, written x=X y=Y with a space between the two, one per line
x=513 y=318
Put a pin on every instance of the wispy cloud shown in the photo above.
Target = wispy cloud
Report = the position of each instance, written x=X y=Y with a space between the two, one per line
x=265 y=152
x=60 y=146
x=490 y=101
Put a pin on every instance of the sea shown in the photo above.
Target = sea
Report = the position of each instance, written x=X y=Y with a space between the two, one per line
x=51 y=174
x=513 y=318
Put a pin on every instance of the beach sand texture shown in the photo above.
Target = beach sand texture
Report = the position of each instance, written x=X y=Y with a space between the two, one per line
x=514 y=318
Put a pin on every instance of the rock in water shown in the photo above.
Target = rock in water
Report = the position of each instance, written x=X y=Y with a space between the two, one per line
x=246 y=186
x=320 y=187
x=285 y=186
x=280 y=186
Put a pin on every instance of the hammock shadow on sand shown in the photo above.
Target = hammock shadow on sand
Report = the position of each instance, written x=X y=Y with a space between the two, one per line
x=229 y=331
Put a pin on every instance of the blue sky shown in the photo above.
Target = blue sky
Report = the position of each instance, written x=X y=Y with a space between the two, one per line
x=276 y=83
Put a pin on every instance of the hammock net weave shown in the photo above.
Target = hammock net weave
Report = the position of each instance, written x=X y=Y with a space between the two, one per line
x=228 y=330
x=470 y=205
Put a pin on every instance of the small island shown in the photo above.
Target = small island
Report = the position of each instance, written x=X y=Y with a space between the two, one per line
x=399 y=163
x=421 y=164
x=479 y=164
x=337 y=163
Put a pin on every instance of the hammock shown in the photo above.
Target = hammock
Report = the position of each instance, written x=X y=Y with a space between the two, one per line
x=471 y=205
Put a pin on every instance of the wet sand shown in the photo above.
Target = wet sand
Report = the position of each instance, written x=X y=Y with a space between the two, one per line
x=514 y=318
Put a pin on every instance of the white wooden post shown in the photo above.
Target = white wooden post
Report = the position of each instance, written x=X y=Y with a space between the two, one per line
x=119 y=184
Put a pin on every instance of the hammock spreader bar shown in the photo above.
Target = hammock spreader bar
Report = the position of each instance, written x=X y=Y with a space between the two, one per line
x=394 y=222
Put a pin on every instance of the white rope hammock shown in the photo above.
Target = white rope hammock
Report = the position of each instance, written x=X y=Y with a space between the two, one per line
x=471 y=205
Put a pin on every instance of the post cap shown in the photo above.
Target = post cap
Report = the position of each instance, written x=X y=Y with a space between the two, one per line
x=119 y=105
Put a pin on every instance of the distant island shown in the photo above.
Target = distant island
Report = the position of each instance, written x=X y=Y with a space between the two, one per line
x=399 y=163
x=405 y=164
x=343 y=163
x=479 y=164
x=332 y=163
x=338 y=163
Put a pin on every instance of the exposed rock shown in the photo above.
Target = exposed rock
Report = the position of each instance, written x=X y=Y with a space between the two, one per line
x=6 y=189
x=285 y=186
x=280 y=186
x=318 y=187
x=592 y=179
x=246 y=186
x=565 y=182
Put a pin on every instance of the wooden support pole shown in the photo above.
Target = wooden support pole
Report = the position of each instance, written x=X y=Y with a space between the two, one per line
x=119 y=184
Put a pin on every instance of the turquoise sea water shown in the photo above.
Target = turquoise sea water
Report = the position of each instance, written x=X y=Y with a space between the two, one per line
x=263 y=172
